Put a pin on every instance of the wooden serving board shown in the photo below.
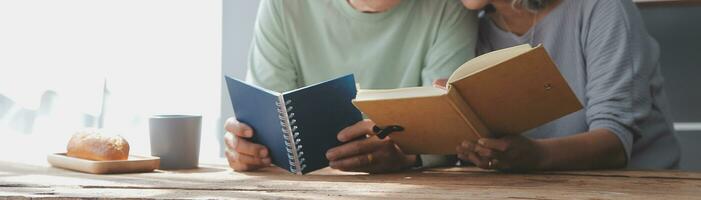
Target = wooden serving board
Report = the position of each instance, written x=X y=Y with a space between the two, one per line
x=132 y=165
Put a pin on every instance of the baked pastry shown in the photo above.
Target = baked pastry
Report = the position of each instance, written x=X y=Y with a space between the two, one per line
x=91 y=145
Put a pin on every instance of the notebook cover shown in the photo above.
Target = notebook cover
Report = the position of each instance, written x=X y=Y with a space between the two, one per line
x=511 y=97
x=519 y=94
x=432 y=125
x=321 y=111
x=257 y=107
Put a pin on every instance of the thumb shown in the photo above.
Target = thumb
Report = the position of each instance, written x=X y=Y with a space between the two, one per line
x=440 y=83
x=359 y=129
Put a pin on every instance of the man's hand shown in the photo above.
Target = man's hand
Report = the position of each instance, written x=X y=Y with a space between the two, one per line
x=242 y=154
x=510 y=153
x=369 y=154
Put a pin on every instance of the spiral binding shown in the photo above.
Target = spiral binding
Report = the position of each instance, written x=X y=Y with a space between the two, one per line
x=291 y=135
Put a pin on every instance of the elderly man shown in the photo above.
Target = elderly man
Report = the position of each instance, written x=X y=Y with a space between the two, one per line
x=385 y=43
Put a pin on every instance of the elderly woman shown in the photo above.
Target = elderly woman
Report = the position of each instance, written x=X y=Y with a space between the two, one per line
x=604 y=52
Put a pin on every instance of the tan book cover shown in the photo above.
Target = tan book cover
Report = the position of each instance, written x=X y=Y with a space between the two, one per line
x=508 y=91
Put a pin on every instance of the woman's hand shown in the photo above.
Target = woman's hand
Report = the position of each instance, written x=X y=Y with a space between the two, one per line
x=441 y=83
x=510 y=153
x=368 y=154
x=242 y=154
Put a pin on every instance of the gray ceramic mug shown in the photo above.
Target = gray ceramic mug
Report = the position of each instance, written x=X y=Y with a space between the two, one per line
x=176 y=140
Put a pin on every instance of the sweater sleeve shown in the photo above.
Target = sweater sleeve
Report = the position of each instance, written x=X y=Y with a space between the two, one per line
x=453 y=45
x=269 y=61
x=617 y=73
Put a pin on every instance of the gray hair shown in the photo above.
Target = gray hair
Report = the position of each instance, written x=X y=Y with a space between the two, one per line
x=531 y=5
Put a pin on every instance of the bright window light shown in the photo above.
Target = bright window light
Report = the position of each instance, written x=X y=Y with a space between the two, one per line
x=154 y=56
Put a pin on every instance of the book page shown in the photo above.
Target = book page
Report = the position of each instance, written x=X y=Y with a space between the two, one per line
x=487 y=60
x=518 y=94
x=401 y=93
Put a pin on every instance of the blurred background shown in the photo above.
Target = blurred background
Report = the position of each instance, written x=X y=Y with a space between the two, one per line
x=111 y=64
x=106 y=64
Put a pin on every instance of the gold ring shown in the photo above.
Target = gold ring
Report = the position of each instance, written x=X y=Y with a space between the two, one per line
x=369 y=158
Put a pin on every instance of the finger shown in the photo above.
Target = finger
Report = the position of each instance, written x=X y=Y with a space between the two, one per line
x=461 y=150
x=249 y=148
x=496 y=144
x=238 y=128
x=467 y=146
x=230 y=140
x=236 y=166
x=440 y=83
x=231 y=125
x=358 y=147
x=352 y=163
x=357 y=130
x=244 y=146
x=464 y=148
x=462 y=155
x=246 y=159
x=475 y=159
x=240 y=162
x=484 y=152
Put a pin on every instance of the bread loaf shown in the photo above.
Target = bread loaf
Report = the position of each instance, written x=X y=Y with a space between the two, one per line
x=91 y=145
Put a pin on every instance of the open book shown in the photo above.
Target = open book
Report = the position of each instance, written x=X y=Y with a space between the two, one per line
x=297 y=126
x=508 y=91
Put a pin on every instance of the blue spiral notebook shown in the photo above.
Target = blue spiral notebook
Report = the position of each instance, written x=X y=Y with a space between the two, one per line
x=297 y=126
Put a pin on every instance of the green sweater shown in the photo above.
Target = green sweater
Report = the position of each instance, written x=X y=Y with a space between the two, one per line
x=302 y=42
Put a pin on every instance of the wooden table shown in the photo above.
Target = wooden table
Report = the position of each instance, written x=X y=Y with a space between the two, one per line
x=217 y=181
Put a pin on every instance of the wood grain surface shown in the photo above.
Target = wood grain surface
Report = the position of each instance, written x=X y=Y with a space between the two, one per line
x=217 y=181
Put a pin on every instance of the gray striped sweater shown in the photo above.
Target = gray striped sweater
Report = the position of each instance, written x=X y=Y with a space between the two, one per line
x=605 y=53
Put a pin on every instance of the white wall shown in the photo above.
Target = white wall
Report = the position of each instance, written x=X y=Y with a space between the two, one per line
x=157 y=57
x=239 y=17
